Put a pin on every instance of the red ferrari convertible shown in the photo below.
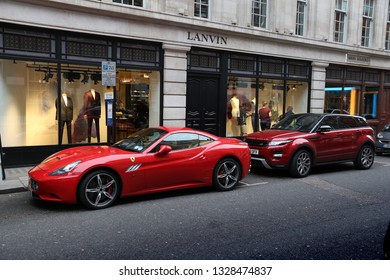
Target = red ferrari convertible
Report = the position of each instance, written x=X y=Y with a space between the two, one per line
x=150 y=160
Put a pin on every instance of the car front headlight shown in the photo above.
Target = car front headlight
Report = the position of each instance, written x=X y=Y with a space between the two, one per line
x=379 y=135
x=279 y=142
x=66 y=169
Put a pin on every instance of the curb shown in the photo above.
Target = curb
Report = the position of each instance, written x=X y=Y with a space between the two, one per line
x=12 y=190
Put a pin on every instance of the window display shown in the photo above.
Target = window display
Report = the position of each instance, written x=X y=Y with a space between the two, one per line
x=138 y=101
x=343 y=100
x=240 y=106
x=275 y=99
x=38 y=106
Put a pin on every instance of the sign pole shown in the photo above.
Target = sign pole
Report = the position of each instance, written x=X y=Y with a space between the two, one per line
x=1 y=160
x=109 y=80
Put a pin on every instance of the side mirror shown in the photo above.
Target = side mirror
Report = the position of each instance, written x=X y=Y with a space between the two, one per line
x=324 y=128
x=164 y=150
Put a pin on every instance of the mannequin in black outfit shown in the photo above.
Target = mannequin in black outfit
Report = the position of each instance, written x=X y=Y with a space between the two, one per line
x=66 y=116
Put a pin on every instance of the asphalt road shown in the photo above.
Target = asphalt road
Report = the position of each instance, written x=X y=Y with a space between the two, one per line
x=338 y=212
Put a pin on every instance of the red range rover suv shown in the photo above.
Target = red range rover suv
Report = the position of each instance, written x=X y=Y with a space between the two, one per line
x=301 y=141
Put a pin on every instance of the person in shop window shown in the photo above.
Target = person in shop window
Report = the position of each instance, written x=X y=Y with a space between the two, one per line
x=142 y=115
x=265 y=116
x=289 y=112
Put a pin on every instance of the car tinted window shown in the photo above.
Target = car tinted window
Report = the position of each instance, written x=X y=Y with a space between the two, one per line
x=347 y=122
x=299 y=122
x=361 y=122
x=140 y=140
x=386 y=128
x=331 y=121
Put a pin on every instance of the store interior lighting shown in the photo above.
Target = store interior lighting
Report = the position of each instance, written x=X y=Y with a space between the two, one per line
x=47 y=76
x=96 y=78
x=85 y=78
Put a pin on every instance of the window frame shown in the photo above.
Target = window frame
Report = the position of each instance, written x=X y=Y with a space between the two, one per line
x=259 y=18
x=387 y=38
x=367 y=22
x=341 y=7
x=202 y=9
x=300 y=18
x=130 y=2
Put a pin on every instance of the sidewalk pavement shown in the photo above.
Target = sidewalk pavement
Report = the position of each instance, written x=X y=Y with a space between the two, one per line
x=16 y=180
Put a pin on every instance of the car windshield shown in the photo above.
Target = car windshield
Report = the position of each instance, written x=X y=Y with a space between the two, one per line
x=298 y=122
x=140 y=140
x=386 y=128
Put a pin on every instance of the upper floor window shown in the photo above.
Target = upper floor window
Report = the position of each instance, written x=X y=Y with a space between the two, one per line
x=201 y=8
x=300 y=20
x=259 y=13
x=138 y=3
x=387 y=40
x=368 y=14
x=339 y=20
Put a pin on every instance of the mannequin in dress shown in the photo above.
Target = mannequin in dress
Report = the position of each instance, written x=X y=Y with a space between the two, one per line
x=232 y=126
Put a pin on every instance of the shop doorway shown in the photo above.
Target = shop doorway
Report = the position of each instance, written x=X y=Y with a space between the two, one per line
x=202 y=104
x=383 y=111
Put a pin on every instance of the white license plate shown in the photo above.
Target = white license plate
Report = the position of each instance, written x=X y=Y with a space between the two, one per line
x=254 y=152
x=386 y=146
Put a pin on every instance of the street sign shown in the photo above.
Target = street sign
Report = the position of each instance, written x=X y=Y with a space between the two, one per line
x=109 y=73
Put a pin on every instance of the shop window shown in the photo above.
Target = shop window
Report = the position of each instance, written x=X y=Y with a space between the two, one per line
x=370 y=102
x=241 y=102
x=344 y=100
x=138 y=101
x=81 y=107
x=297 y=94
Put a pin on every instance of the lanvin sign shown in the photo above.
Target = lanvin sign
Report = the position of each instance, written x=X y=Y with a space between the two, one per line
x=207 y=38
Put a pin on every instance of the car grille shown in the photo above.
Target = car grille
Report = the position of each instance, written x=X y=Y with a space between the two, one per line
x=257 y=143
x=33 y=184
x=384 y=141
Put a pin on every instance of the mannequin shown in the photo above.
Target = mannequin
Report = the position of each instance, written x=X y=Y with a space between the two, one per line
x=232 y=127
x=66 y=116
x=92 y=110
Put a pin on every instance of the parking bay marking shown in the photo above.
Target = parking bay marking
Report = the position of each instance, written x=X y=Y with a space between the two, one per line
x=253 y=184
x=384 y=163
x=332 y=188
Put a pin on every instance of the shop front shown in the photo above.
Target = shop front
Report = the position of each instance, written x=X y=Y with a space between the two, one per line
x=52 y=95
x=358 y=91
x=230 y=88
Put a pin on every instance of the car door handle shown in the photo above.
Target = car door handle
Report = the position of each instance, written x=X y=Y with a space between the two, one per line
x=202 y=157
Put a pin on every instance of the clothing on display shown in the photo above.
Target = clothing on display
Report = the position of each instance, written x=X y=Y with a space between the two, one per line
x=92 y=110
x=66 y=116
